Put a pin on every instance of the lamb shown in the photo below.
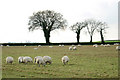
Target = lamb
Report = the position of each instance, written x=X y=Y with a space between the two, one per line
x=20 y=59
x=117 y=47
x=39 y=60
x=27 y=59
x=65 y=59
x=9 y=59
x=47 y=59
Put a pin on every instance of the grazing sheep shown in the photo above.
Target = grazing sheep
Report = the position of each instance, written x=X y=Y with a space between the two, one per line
x=20 y=59
x=79 y=45
x=60 y=45
x=117 y=47
x=95 y=45
x=74 y=48
x=101 y=45
x=9 y=59
x=39 y=45
x=116 y=43
x=24 y=45
x=65 y=59
x=7 y=45
x=107 y=45
x=36 y=58
x=73 y=45
x=70 y=48
x=39 y=60
x=27 y=59
x=50 y=46
x=47 y=59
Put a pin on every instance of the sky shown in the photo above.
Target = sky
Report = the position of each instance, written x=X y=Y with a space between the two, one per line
x=14 y=17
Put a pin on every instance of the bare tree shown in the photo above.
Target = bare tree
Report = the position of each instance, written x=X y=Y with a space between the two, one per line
x=77 y=29
x=91 y=27
x=102 y=30
x=47 y=21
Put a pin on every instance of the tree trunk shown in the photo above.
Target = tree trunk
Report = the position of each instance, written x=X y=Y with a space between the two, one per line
x=90 y=39
x=78 y=37
x=47 y=36
x=102 y=38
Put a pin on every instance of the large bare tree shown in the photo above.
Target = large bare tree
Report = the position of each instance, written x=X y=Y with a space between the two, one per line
x=47 y=21
x=77 y=29
x=91 y=27
x=102 y=30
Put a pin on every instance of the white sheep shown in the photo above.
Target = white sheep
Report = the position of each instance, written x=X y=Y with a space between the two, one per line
x=70 y=48
x=116 y=43
x=39 y=60
x=107 y=45
x=9 y=59
x=36 y=58
x=74 y=48
x=20 y=59
x=117 y=47
x=50 y=46
x=65 y=59
x=95 y=45
x=60 y=45
x=79 y=45
x=27 y=59
x=39 y=45
x=47 y=59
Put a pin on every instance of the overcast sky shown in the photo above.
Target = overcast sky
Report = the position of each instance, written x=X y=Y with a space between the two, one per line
x=14 y=17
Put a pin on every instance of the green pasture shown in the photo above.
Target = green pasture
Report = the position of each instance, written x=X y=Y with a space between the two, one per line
x=85 y=62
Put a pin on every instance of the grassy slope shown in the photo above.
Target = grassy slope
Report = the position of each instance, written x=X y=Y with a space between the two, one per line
x=85 y=62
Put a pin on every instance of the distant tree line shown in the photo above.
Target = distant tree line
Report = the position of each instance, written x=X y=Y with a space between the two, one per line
x=49 y=20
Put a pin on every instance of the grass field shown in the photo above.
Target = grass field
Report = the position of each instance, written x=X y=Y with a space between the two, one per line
x=85 y=62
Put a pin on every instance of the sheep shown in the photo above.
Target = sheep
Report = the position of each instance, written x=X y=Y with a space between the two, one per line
x=36 y=58
x=101 y=45
x=95 y=45
x=24 y=45
x=107 y=45
x=27 y=59
x=7 y=45
x=50 y=46
x=39 y=60
x=60 y=45
x=9 y=59
x=70 y=48
x=65 y=59
x=116 y=43
x=74 y=48
x=73 y=45
x=79 y=45
x=39 y=45
x=117 y=47
x=47 y=59
x=20 y=59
